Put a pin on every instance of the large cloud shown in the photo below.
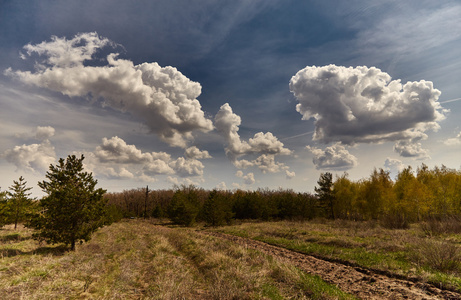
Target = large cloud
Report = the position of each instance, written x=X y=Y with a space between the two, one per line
x=335 y=157
x=363 y=105
x=162 y=97
x=266 y=145
x=227 y=124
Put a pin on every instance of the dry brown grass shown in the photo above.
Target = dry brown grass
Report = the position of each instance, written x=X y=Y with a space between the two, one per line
x=139 y=260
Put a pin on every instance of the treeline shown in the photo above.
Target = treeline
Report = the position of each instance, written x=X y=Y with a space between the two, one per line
x=412 y=197
x=415 y=195
x=186 y=205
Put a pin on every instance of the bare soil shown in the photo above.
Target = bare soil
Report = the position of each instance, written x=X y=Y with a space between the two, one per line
x=358 y=281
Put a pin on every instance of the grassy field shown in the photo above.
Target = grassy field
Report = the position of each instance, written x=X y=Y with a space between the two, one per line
x=138 y=259
x=426 y=252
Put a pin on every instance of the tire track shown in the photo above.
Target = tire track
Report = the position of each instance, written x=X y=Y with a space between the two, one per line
x=361 y=282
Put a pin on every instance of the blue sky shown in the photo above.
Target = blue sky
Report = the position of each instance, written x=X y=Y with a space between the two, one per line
x=228 y=94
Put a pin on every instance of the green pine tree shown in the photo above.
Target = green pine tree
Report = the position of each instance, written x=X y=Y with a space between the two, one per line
x=73 y=208
x=325 y=195
x=217 y=210
x=18 y=203
x=3 y=208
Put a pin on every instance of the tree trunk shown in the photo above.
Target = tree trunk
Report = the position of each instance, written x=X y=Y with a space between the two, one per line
x=16 y=219
x=72 y=245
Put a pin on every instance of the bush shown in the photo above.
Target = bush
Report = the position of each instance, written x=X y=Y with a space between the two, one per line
x=394 y=221
x=439 y=255
x=440 y=225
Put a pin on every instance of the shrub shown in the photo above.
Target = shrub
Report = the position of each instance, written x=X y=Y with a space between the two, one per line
x=439 y=255
x=394 y=221
x=441 y=225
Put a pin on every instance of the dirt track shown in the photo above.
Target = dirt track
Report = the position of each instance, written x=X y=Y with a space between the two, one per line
x=363 y=283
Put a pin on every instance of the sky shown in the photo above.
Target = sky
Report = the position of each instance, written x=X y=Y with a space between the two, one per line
x=241 y=94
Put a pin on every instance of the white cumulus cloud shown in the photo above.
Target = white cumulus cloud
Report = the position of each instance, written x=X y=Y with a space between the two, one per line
x=187 y=167
x=221 y=186
x=116 y=151
x=195 y=153
x=162 y=97
x=266 y=145
x=227 y=124
x=44 y=132
x=411 y=149
x=267 y=164
x=453 y=141
x=393 y=165
x=363 y=105
x=248 y=179
x=33 y=157
x=289 y=174
x=335 y=157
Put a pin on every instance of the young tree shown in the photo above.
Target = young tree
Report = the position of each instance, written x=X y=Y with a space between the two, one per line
x=73 y=209
x=345 y=191
x=3 y=208
x=217 y=210
x=19 y=202
x=184 y=206
x=325 y=194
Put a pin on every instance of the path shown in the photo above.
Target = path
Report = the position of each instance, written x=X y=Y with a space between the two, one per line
x=360 y=282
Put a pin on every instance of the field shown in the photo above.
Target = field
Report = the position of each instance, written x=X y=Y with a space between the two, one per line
x=138 y=259
x=141 y=260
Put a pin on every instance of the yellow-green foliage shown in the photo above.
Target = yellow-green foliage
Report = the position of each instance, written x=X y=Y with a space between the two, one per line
x=412 y=197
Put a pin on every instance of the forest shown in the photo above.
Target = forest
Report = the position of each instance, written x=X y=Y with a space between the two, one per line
x=415 y=195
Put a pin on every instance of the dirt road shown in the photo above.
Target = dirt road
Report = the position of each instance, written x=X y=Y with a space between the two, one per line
x=363 y=283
